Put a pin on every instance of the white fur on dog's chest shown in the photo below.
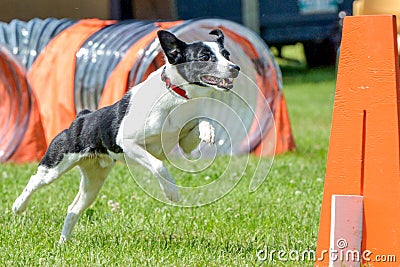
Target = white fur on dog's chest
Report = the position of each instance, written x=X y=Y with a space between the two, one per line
x=152 y=120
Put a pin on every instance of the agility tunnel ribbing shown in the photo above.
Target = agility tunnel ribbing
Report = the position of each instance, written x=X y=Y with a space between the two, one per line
x=51 y=69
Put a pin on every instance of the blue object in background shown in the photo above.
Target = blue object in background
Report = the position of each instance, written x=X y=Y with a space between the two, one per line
x=314 y=23
x=227 y=9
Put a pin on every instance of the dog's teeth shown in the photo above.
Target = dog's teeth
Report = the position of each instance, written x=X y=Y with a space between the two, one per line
x=221 y=82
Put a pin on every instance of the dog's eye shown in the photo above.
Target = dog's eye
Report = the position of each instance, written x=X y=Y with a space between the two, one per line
x=204 y=57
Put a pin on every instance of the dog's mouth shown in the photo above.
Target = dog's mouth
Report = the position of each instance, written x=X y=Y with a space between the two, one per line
x=223 y=83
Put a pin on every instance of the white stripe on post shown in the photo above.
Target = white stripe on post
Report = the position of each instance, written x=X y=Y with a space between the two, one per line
x=346 y=230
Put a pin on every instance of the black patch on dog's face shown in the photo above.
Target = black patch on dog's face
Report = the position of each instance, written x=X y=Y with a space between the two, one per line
x=173 y=47
x=201 y=63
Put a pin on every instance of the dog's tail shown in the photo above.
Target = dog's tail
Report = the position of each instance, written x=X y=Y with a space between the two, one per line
x=83 y=112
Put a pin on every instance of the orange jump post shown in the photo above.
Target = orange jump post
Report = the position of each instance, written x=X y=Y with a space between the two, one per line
x=364 y=150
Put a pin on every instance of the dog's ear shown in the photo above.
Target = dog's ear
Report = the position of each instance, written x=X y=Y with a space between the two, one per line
x=219 y=34
x=173 y=47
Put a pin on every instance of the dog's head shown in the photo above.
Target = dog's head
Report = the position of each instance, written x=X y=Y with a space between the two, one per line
x=204 y=64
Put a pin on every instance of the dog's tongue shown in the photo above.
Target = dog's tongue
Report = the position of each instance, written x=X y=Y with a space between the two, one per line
x=214 y=79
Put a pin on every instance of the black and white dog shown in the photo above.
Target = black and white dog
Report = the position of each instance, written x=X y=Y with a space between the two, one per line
x=133 y=126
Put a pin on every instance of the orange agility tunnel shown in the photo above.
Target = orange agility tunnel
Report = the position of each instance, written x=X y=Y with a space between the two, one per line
x=61 y=67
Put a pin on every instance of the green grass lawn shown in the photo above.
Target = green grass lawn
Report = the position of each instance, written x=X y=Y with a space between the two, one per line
x=282 y=215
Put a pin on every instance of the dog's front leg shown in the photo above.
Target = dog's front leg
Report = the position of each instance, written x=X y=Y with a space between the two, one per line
x=206 y=132
x=190 y=140
x=139 y=154
x=203 y=131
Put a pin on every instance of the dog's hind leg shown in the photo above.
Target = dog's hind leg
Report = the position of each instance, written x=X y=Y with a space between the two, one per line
x=45 y=175
x=94 y=172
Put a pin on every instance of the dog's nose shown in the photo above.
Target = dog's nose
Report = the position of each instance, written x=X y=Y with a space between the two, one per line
x=236 y=67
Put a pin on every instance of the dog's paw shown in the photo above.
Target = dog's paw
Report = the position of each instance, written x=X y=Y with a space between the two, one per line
x=170 y=190
x=20 y=205
x=207 y=133
x=63 y=239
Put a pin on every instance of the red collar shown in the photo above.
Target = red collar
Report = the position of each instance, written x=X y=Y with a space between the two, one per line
x=173 y=87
